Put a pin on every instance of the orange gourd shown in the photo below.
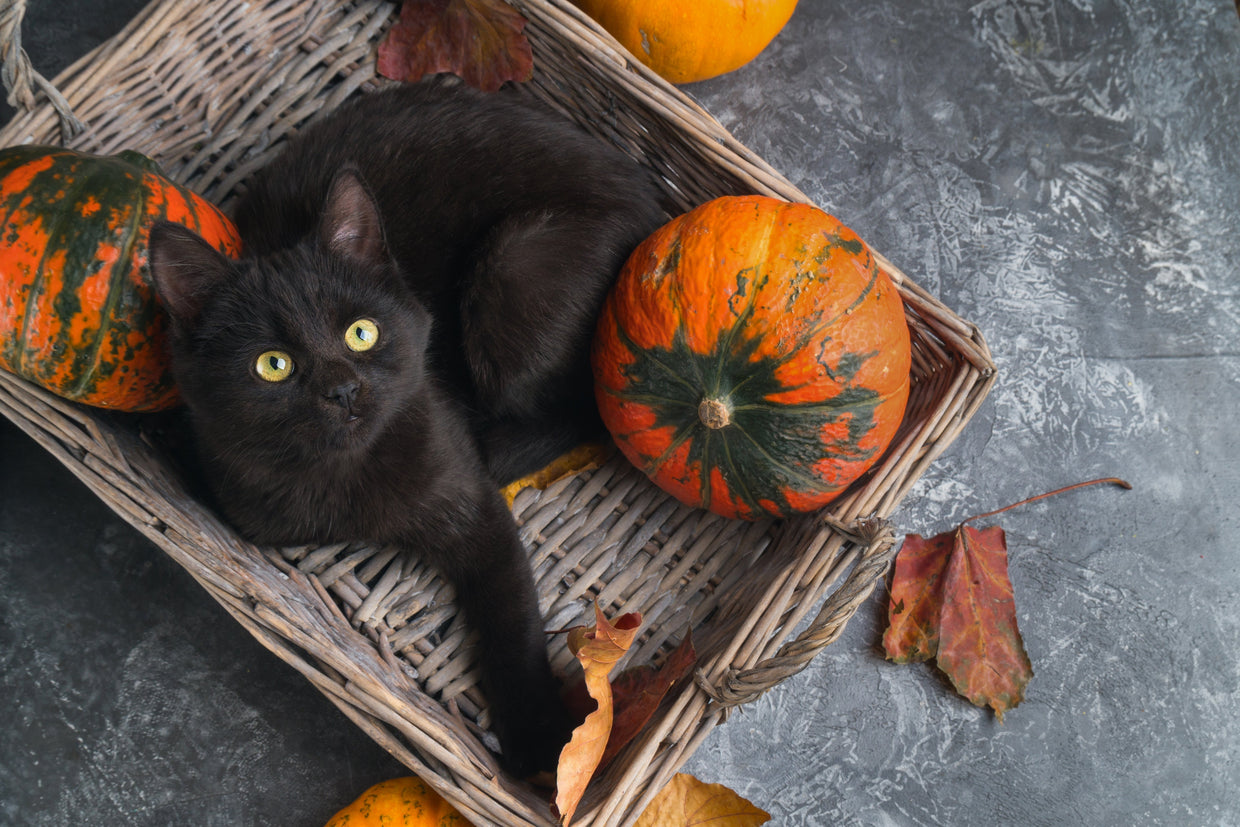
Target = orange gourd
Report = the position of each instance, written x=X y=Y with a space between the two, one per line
x=77 y=313
x=400 y=802
x=690 y=40
x=752 y=358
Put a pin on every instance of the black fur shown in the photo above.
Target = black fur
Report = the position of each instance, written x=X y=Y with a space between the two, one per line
x=481 y=236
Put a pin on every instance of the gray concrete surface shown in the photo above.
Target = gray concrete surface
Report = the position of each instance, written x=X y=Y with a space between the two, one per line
x=1066 y=173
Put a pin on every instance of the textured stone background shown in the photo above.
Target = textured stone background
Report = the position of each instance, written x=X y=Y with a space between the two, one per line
x=1065 y=173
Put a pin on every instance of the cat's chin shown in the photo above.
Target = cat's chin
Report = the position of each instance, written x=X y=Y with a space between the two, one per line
x=350 y=435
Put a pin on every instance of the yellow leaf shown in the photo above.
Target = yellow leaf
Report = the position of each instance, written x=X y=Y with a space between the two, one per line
x=686 y=802
x=585 y=457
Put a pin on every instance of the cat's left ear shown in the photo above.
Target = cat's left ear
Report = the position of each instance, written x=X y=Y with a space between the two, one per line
x=351 y=226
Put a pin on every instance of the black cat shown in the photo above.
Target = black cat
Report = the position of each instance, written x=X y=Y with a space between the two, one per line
x=408 y=327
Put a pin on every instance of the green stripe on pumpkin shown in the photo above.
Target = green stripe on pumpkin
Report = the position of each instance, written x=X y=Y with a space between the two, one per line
x=768 y=447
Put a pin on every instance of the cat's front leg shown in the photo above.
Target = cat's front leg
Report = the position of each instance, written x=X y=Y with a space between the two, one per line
x=489 y=569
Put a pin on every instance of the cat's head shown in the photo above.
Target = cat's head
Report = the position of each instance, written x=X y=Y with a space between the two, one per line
x=308 y=353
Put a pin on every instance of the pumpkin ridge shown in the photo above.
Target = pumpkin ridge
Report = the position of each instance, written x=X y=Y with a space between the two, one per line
x=646 y=354
x=93 y=352
x=723 y=356
x=816 y=331
x=847 y=367
x=745 y=495
x=792 y=473
x=776 y=361
x=681 y=339
x=704 y=480
x=683 y=433
x=863 y=406
x=749 y=291
x=761 y=247
x=866 y=401
x=865 y=291
x=825 y=324
x=647 y=398
x=723 y=350
x=824 y=407
x=41 y=275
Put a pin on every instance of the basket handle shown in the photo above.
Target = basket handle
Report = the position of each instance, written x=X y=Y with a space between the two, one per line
x=740 y=686
x=19 y=76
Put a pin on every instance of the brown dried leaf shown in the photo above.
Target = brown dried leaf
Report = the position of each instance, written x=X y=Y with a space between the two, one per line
x=951 y=598
x=598 y=650
x=479 y=40
x=687 y=802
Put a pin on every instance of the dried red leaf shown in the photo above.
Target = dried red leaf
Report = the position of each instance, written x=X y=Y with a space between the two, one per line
x=980 y=648
x=951 y=599
x=917 y=598
x=482 y=41
x=637 y=693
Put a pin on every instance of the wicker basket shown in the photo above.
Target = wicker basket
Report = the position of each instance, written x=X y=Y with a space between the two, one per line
x=209 y=90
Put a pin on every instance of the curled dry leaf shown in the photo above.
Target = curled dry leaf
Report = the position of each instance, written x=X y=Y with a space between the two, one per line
x=688 y=802
x=598 y=650
x=481 y=41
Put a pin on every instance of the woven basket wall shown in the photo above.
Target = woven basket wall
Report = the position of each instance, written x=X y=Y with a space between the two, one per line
x=209 y=90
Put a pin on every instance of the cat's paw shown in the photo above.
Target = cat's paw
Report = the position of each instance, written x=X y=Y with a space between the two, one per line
x=531 y=741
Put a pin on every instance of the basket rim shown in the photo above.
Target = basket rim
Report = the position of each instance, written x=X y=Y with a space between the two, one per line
x=98 y=455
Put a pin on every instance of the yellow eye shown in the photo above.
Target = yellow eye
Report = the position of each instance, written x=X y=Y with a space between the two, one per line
x=274 y=366
x=362 y=335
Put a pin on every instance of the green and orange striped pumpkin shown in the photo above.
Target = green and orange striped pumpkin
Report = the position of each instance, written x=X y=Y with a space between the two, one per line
x=752 y=358
x=77 y=313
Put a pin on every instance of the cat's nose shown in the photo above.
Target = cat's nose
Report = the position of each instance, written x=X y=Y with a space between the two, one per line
x=344 y=395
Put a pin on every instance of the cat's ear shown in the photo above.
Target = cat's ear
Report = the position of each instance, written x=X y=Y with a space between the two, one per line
x=185 y=270
x=351 y=227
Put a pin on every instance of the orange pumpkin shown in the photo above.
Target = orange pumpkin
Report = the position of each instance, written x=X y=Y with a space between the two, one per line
x=77 y=312
x=689 y=40
x=752 y=358
x=400 y=802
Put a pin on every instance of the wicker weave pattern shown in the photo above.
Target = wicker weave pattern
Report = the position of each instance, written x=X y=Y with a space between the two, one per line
x=209 y=90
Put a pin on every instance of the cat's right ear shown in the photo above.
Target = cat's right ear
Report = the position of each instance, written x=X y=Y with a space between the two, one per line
x=350 y=226
x=185 y=270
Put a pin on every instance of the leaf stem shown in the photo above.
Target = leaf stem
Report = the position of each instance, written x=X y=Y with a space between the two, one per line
x=1103 y=480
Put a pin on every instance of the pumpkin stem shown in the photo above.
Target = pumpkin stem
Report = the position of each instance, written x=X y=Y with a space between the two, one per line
x=714 y=413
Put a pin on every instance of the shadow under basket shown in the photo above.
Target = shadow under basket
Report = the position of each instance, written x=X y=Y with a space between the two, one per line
x=210 y=90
